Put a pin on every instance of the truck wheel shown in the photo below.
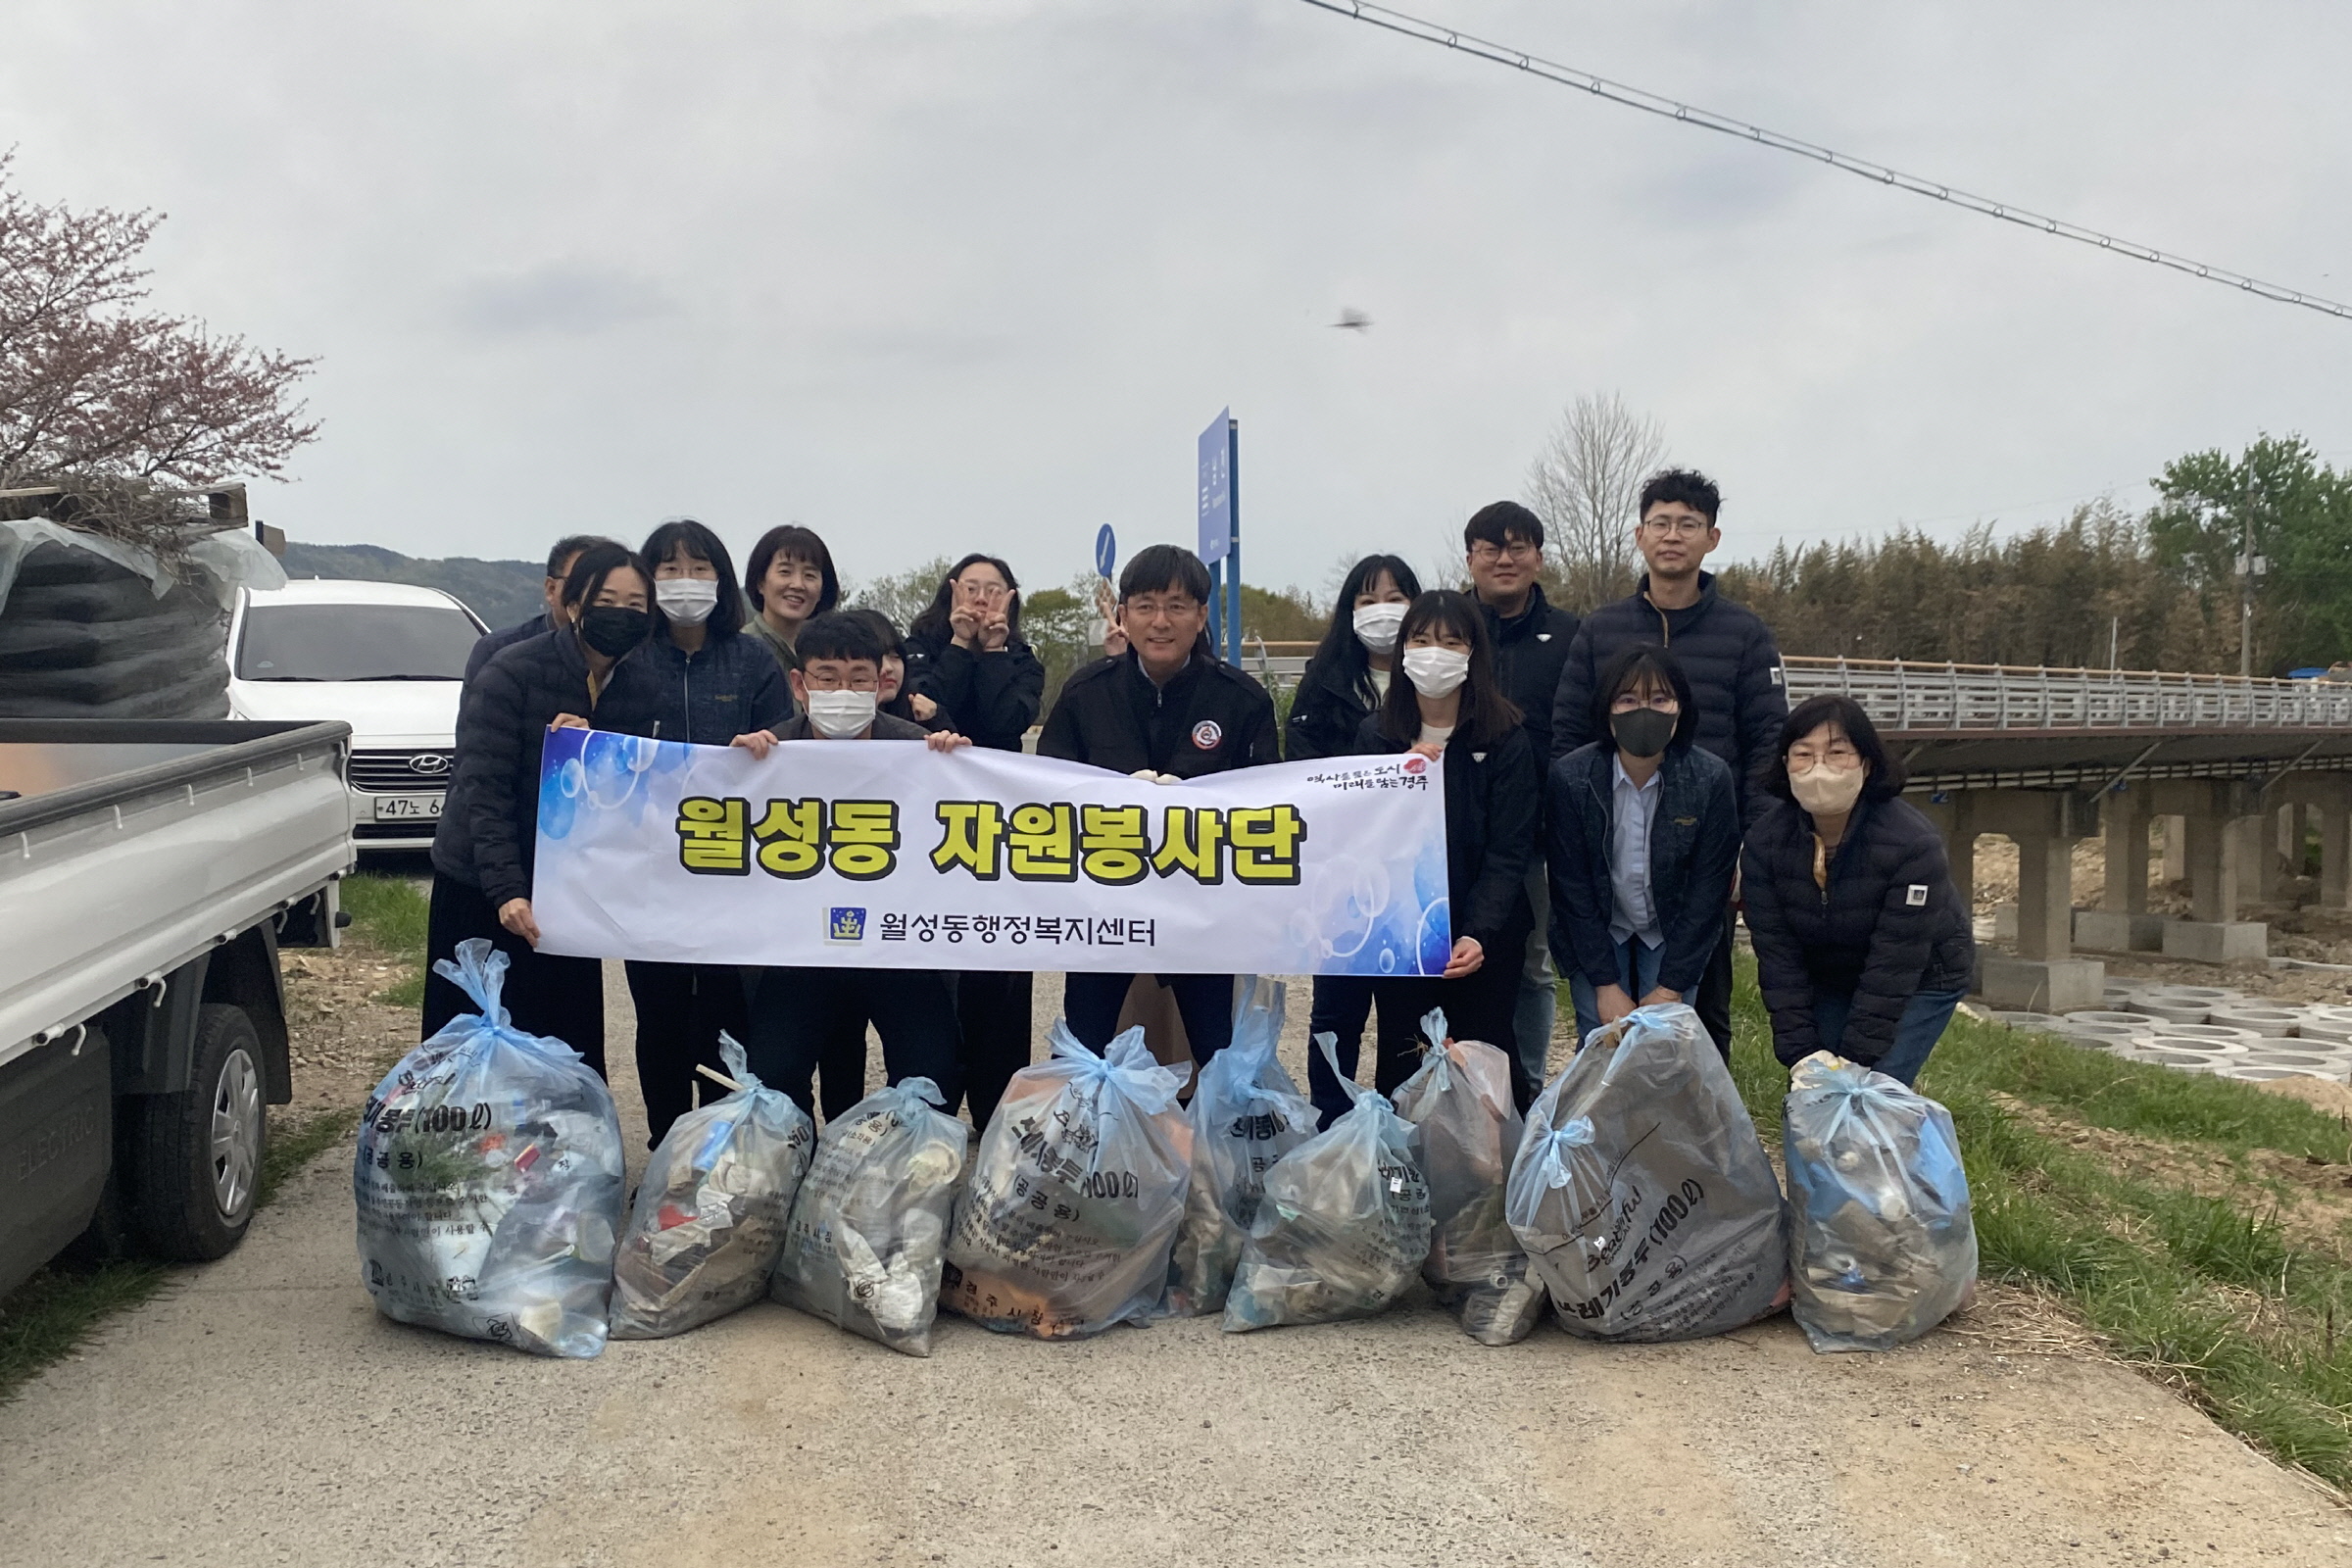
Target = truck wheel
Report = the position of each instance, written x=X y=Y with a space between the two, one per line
x=199 y=1151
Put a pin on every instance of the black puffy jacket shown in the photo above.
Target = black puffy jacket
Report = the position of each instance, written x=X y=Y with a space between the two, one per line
x=491 y=643
x=1493 y=808
x=1529 y=649
x=1890 y=924
x=490 y=820
x=994 y=697
x=1211 y=718
x=729 y=687
x=1693 y=847
x=1326 y=712
x=1727 y=650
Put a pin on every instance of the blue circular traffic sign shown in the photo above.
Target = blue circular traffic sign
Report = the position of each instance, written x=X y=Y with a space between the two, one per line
x=1107 y=552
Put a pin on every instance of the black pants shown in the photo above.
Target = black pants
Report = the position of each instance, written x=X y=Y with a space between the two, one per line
x=544 y=995
x=1342 y=1002
x=795 y=1012
x=1091 y=1004
x=1478 y=1006
x=681 y=1007
x=1713 y=1005
x=992 y=1007
x=841 y=1060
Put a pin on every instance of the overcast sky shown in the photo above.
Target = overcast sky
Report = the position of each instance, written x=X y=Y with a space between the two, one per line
x=931 y=277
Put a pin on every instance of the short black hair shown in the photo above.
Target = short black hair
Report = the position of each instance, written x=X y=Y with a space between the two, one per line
x=1487 y=715
x=586 y=579
x=1630 y=667
x=1159 y=568
x=1688 y=486
x=793 y=543
x=1495 y=524
x=1887 y=776
x=839 y=634
x=885 y=630
x=570 y=544
x=698 y=542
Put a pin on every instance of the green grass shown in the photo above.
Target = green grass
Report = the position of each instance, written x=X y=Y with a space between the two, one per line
x=389 y=913
x=2208 y=1293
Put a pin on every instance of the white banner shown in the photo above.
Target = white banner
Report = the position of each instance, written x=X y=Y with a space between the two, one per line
x=887 y=853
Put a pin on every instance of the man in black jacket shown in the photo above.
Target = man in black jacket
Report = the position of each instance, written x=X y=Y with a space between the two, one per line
x=568 y=548
x=1727 y=650
x=1505 y=546
x=1169 y=709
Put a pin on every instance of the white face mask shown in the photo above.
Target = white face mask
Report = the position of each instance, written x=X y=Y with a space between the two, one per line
x=841 y=715
x=1377 y=625
x=688 y=600
x=1436 y=672
x=1822 y=790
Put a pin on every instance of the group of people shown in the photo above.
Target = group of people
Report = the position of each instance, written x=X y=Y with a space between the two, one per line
x=1615 y=788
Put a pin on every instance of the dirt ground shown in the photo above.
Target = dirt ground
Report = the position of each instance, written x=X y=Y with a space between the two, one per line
x=270 y=1416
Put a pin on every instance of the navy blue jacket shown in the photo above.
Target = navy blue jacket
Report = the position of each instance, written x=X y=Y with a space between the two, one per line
x=1693 y=847
x=1493 y=808
x=1890 y=924
x=1727 y=650
x=729 y=687
x=1529 y=649
x=1211 y=717
x=488 y=645
x=992 y=698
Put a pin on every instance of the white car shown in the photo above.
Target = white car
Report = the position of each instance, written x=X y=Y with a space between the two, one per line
x=386 y=659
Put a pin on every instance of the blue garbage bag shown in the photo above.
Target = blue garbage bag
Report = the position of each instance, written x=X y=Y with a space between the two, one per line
x=708 y=1222
x=489 y=1180
x=1884 y=1247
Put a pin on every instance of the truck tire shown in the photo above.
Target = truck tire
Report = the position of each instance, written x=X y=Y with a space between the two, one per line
x=197 y=1154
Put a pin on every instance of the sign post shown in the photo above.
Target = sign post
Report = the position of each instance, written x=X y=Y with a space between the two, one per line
x=1220 y=448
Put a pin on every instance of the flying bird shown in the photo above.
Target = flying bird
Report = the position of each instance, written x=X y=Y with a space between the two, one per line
x=1352 y=320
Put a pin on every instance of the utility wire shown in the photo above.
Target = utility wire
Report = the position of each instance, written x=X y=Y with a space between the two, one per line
x=1706 y=119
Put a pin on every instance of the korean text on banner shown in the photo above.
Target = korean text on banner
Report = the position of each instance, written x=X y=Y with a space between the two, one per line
x=885 y=853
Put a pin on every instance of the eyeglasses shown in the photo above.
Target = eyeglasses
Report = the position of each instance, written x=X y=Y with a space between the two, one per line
x=1839 y=755
x=1675 y=527
x=1633 y=702
x=1516 y=549
x=1175 y=609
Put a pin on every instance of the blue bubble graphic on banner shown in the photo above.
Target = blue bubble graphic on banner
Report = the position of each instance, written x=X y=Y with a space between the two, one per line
x=614 y=764
x=560 y=798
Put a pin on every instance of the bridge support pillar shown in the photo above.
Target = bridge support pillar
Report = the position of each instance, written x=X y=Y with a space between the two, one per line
x=2123 y=815
x=2329 y=797
x=2175 y=848
x=2222 y=867
x=2044 y=976
x=1955 y=818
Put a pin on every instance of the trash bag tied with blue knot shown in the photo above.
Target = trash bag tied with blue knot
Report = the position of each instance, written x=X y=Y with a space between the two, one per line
x=1075 y=1195
x=1640 y=1189
x=1882 y=1247
x=869 y=1230
x=489 y=1180
x=1246 y=1113
x=1465 y=1131
x=708 y=1222
x=1343 y=1228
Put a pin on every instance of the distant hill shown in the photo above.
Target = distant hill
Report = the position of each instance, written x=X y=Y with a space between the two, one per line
x=501 y=592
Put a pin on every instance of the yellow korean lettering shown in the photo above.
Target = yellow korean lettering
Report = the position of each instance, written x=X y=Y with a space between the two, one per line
x=1192 y=839
x=970 y=834
x=863 y=838
x=710 y=840
x=791 y=837
x=1110 y=844
x=1043 y=844
x=1265 y=842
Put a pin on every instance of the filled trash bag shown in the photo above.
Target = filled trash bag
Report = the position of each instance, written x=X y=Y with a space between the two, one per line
x=1246 y=1113
x=1640 y=1189
x=1882 y=1246
x=870 y=1229
x=1465 y=1131
x=489 y=1180
x=710 y=1210
x=1343 y=1226
x=1066 y=1224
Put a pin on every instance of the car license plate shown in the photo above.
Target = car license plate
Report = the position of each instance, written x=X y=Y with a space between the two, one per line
x=408 y=807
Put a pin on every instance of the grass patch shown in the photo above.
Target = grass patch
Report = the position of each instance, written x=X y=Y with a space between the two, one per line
x=2206 y=1293
x=56 y=1311
x=389 y=914
x=295 y=1147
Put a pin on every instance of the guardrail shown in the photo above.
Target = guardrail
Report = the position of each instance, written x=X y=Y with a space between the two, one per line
x=1900 y=696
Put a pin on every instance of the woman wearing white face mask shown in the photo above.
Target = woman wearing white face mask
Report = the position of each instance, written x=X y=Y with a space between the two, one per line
x=717 y=687
x=1449 y=705
x=1862 y=943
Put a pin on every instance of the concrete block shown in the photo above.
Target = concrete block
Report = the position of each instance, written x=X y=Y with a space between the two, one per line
x=2040 y=985
x=2215 y=941
x=2110 y=931
x=2004 y=923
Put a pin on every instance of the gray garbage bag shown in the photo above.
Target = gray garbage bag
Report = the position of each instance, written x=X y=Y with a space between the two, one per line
x=1075 y=1195
x=1344 y=1227
x=1882 y=1247
x=1465 y=1131
x=489 y=1180
x=869 y=1230
x=1640 y=1189
x=708 y=1222
x=1246 y=1113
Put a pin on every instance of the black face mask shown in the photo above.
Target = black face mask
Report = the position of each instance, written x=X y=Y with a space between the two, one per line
x=612 y=631
x=1645 y=731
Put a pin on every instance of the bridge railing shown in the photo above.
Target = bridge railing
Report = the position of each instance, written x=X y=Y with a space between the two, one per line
x=1904 y=696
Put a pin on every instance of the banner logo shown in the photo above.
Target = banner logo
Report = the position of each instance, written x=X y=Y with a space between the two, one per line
x=847 y=926
x=1206 y=734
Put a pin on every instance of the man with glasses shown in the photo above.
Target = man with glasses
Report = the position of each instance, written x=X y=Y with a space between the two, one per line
x=1727 y=652
x=1506 y=547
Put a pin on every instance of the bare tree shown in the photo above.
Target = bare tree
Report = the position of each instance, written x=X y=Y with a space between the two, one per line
x=92 y=386
x=1585 y=484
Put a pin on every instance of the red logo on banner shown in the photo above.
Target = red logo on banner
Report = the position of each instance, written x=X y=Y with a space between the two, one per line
x=1416 y=764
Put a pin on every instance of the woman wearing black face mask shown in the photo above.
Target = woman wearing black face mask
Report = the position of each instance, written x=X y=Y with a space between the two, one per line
x=582 y=674
x=1644 y=837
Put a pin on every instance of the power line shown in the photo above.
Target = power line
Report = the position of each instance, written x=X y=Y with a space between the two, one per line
x=1706 y=119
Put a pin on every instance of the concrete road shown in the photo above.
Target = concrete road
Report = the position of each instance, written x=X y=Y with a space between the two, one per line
x=263 y=1414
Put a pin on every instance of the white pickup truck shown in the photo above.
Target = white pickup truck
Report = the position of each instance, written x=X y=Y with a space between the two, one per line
x=149 y=873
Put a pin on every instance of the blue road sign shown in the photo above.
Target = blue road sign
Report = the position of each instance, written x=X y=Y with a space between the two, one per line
x=1107 y=552
x=1216 y=489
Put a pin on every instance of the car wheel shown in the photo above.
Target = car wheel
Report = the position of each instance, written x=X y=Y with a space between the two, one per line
x=199 y=1151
